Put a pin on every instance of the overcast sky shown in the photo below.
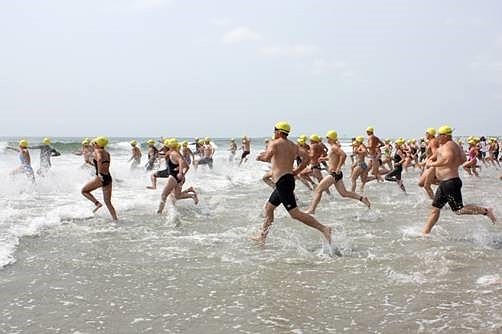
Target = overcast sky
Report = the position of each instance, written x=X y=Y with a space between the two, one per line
x=230 y=68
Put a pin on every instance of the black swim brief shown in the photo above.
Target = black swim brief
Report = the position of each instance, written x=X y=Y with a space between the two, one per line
x=284 y=192
x=245 y=154
x=449 y=191
x=338 y=176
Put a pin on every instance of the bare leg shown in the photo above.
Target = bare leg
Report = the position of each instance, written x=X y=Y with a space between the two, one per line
x=86 y=192
x=356 y=173
x=168 y=188
x=470 y=209
x=107 y=198
x=269 y=219
x=323 y=185
x=154 y=182
x=340 y=187
x=431 y=221
x=312 y=222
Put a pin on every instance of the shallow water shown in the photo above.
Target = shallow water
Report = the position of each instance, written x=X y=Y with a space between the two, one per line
x=195 y=270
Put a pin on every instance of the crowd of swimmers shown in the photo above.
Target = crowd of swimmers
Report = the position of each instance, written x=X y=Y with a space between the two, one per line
x=437 y=156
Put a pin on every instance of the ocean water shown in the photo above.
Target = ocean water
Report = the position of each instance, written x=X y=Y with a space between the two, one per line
x=195 y=270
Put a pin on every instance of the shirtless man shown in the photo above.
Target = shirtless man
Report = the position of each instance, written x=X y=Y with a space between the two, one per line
x=281 y=152
x=429 y=174
x=361 y=169
x=207 y=154
x=246 y=149
x=316 y=152
x=135 y=154
x=374 y=143
x=336 y=158
x=448 y=158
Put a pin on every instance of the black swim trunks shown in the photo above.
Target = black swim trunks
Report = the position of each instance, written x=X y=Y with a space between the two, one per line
x=245 y=154
x=449 y=191
x=106 y=179
x=316 y=166
x=284 y=192
x=338 y=176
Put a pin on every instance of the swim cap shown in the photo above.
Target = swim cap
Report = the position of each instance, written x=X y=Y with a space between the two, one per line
x=166 y=142
x=133 y=142
x=46 y=141
x=172 y=143
x=184 y=143
x=386 y=141
x=399 y=141
x=445 y=130
x=232 y=139
x=200 y=142
x=86 y=141
x=283 y=127
x=101 y=141
x=359 y=139
x=332 y=135
x=207 y=139
x=300 y=141
x=315 y=138
x=431 y=131
x=370 y=129
x=150 y=142
x=23 y=143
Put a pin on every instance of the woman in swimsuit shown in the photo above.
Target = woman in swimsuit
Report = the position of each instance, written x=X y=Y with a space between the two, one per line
x=25 y=159
x=102 y=179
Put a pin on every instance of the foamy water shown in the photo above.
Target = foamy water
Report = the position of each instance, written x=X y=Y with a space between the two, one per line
x=194 y=269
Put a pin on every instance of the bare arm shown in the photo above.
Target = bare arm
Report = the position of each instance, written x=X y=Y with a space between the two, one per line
x=305 y=161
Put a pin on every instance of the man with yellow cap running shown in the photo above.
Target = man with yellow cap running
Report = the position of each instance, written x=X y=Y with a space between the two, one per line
x=336 y=159
x=282 y=153
x=374 y=144
x=447 y=159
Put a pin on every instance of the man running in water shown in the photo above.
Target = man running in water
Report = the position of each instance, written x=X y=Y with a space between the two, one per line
x=374 y=144
x=208 y=152
x=448 y=158
x=429 y=174
x=336 y=159
x=282 y=152
x=233 y=149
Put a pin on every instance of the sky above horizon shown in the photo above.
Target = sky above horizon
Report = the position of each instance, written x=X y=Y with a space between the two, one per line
x=232 y=68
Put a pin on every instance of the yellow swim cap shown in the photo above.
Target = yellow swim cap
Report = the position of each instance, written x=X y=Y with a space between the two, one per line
x=399 y=141
x=370 y=129
x=332 y=135
x=133 y=142
x=166 y=142
x=315 y=138
x=184 y=143
x=431 y=131
x=150 y=142
x=283 y=127
x=207 y=139
x=359 y=139
x=86 y=141
x=23 y=143
x=445 y=130
x=46 y=141
x=300 y=141
x=101 y=141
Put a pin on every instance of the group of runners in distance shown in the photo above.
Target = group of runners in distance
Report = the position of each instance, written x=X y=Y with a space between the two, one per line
x=437 y=156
